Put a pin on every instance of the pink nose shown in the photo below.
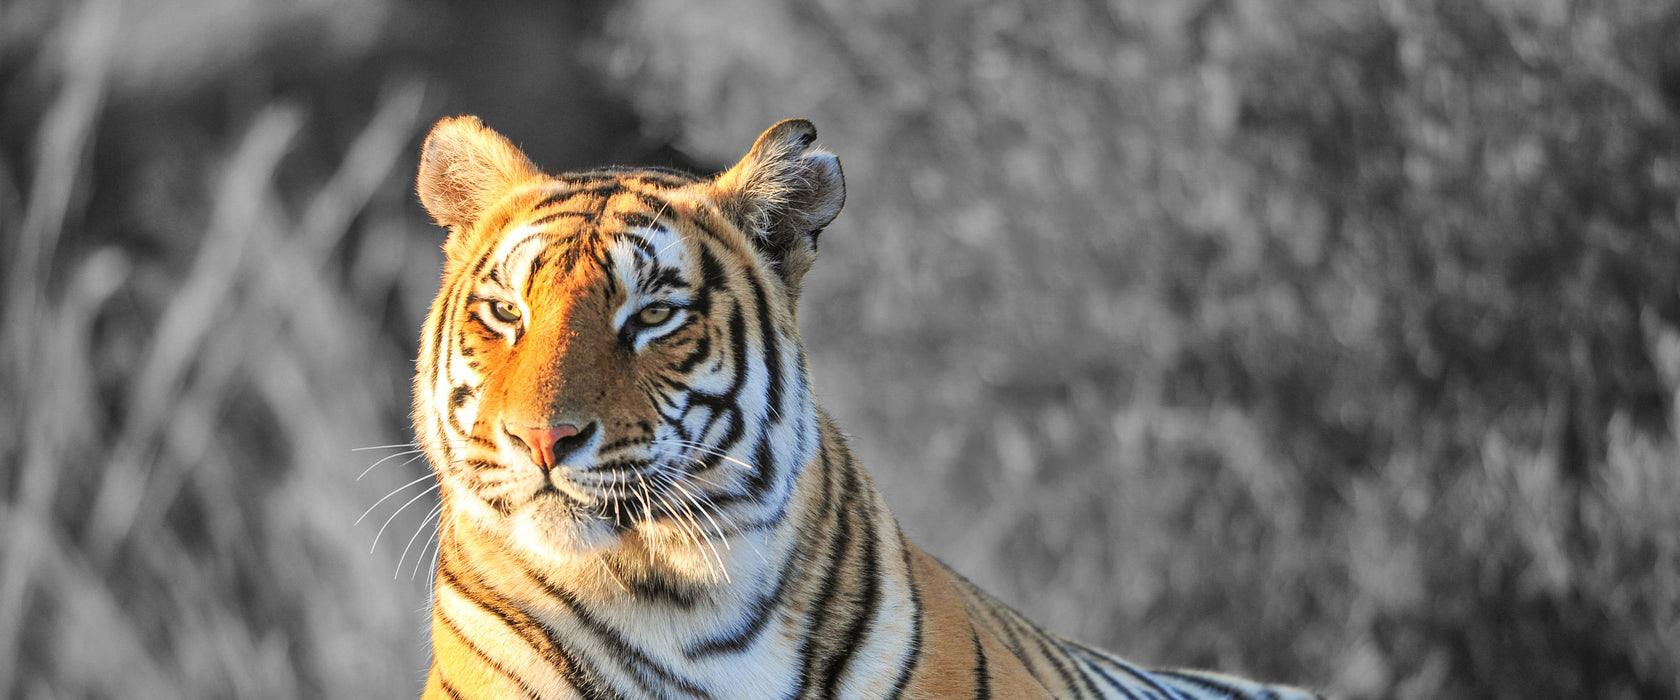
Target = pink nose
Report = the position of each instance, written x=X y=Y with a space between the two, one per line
x=542 y=441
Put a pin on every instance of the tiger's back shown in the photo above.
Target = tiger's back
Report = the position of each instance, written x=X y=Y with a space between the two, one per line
x=640 y=496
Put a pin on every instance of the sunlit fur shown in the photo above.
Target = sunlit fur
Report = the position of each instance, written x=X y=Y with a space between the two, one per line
x=707 y=534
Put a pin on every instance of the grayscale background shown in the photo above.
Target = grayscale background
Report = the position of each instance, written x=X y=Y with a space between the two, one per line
x=1325 y=341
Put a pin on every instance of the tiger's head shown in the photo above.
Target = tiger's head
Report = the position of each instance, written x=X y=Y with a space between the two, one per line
x=613 y=359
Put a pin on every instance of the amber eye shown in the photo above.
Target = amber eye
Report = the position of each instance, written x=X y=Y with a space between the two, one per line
x=505 y=311
x=653 y=315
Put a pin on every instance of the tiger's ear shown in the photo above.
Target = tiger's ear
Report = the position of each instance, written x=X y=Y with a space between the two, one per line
x=782 y=194
x=464 y=168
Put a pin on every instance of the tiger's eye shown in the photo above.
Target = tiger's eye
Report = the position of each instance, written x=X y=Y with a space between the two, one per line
x=653 y=315
x=505 y=311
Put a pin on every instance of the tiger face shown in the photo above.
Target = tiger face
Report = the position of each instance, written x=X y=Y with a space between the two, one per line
x=613 y=364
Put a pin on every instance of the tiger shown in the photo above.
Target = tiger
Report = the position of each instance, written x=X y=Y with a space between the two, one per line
x=639 y=496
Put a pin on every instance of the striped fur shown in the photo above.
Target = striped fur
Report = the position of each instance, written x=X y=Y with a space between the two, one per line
x=640 y=497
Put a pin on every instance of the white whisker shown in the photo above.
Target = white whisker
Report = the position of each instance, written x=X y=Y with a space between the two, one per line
x=704 y=501
x=431 y=579
x=707 y=449
x=647 y=509
x=432 y=542
x=393 y=492
x=608 y=568
x=690 y=496
x=692 y=529
x=382 y=447
x=417 y=530
x=399 y=511
x=697 y=532
x=388 y=458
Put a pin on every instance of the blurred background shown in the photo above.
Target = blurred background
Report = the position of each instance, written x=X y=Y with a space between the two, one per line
x=1324 y=341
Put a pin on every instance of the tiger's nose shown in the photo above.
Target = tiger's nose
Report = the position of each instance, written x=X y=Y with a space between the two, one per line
x=550 y=445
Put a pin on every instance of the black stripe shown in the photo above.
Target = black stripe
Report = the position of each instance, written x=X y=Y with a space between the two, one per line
x=1014 y=624
x=764 y=461
x=605 y=189
x=1115 y=682
x=447 y=688
x=864 y=616
x=1054 y=655
x=1014 y=628
x=649 y=174
x=478 y=267
x=772 y=353
x=727 y=404
x=447 y=622
x=533 y=633
x=764 y=467
x=1078 y=663
x=634 y=659
x=537 y=262
x=552 y=200
x=702 y=350
x=705 y=227
x=659 y=589
x=611 y=291
x=837 y=545
x=584 y=216
x=1202 y=682
x=721 y=409
x=1142 y=676
x=590 y=177
x=745 y=634
x=730 y=400
x=914 y=655
x=701 y=305
x=440 y=334
x=738 y=346
x=1010 y=640
x=639 y=243
x=521 y=624
x=711 y=270
x=664 y=277
x=666 y=177
x=636 y=219
x=652 y=201
x=982 y=670
x=623 y=442
x=458 y=396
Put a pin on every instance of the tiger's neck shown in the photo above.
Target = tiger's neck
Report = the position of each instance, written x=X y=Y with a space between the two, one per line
x=646 y=613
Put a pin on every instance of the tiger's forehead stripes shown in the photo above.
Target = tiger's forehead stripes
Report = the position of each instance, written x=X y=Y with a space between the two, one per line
x=572 y=224
x=604 y=196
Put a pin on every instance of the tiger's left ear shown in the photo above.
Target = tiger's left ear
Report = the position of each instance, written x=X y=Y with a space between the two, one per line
x=782 y=194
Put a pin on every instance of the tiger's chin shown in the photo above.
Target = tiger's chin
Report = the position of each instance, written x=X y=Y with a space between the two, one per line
x=555 y=526
x=560 y=537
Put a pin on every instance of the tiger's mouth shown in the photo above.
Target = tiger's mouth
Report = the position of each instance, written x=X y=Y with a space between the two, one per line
x=564 y=512
x=620 y=494
x=601 y=494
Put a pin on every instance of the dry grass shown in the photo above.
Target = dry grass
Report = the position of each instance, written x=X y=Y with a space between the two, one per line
x=180 y=482
x=1125 y=313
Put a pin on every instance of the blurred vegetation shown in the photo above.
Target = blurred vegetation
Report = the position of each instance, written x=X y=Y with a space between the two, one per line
x=1336 y=342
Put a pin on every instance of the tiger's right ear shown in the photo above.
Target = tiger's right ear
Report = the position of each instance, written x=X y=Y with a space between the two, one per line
x=464 y=168
x=782 y=194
